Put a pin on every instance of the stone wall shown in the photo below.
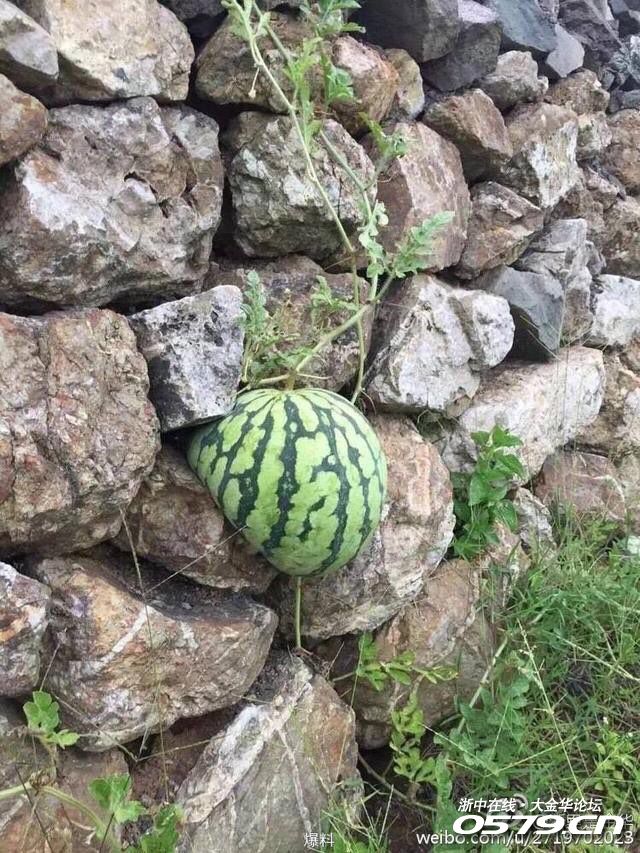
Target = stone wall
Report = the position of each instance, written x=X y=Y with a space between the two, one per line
x=144 y=171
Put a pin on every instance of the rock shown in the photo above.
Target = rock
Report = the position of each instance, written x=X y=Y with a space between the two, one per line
x=616 y=308
x=546 y=405
x=594 y=136
x=415 y=534
x=628 y=476
x=623 y=70
x=534 y=523
x=476 y=128
x=537 y=305
x=525 y=26
x=474 y=54
x=137 y=662
x=277 y=209
x=582 y=92
x=568 y=55
x=501 y=226
x=23 y=121
x=584 y=483
x=290 y=285
x=174 y=523
x=622 y=159
x=425 y=181
x=77 y=432
x=589 y=199
x=426 y=29
x=269 y=777
x=28 y=55
x=425 y=345
x=23 y=617
x=563 y=251
x=592 y=27
x=193 y=348
x=409 y=99
x=514 y=79
x=616 y=431
x=117 y=202
x=620 y=237
x=201 y=17
x=123 y=49
x=544 y=139
x=624 y=100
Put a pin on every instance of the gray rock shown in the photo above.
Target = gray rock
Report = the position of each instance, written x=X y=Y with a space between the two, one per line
x=173 y=523
x=501 y=227
x=515 y=79
x=616 y=308
x=77 y=432
x=138 y=662
x=117 y=202
x=623 y=69
x=534 y=523
x=587 y=21
x=625 y=100
x=28 y=55
x=122 y=49
x=193 y=348
x=270 y=776
x=474 y=54
x=537 y=305
x=628 y=476
x=619 y=239
x=199 y=16
x=594 y=136
x=277 y=209
x=424 y=355
x=426 y=29
x=582 y=92
x=525 y=26
x=621 y=158
x=23 y=121
x=568 y=55
x=414 y=536
x=24 y=605
x=592 y=196
x=409 y=99
x=546 y=405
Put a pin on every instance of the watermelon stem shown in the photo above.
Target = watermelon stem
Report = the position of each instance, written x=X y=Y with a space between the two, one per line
x=297 y=615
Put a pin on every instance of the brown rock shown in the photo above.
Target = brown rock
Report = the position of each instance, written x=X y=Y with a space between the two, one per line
x=594 y=135
x=584 y=483
x=591 y=196
x=28 y=55
x=622 y=157
x=409 y=100
x=582 y=92
x=77 y=432
x=515 y=79
x=620 y=238
x=137 y=662
x=477 y=129
x=427 y=180
x=23 y=121
x=23 y=621
x=374 y=81
x=501 y=226
x=174 y=523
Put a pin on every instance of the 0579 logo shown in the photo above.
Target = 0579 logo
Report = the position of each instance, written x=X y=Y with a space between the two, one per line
x=594 y=825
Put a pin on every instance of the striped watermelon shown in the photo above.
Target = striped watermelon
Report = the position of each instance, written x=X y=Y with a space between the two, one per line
x=300 y=473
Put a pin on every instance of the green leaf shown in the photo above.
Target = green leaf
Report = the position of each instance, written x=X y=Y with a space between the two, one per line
x=64 y=738
x=42 y=713
x=337 y=84
x=477 y=491
x=112 y=794
x=164 y=835
x=503 y=438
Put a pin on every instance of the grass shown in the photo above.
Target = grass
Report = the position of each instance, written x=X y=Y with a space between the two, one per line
x=560 y=714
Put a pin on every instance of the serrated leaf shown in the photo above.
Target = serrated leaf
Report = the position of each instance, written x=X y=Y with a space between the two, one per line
x=42 y=712
x=112 y=794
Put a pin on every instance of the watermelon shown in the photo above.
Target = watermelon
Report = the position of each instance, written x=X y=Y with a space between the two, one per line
x=300 y=473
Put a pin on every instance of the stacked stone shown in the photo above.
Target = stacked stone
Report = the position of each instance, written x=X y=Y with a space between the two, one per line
x=121 y=280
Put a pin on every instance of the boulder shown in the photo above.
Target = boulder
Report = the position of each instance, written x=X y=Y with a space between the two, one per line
x=277 y=208
x=567 y=56
x=622 y=159
x=193 y=348
x=292 y=293
x=525 y=26
x=594 y=136
x=545 y=405
x=590 y=199
x=584 y=483
x=414 y=536
x=514 y=80
x=563 y=251
x=474 y=54
x=501 y=227
x=535 y=527
x=173 y=523
x=120 y=49
x=144 y=654
x=616 y=308
x=623 y=70
x=77 y=432
x=620 y=237
x=628 y=476
x=117 y=202
x=201 y=17
x=582 y=92
x=23 y=121
x=537 y=302
x=544 y=138
x=427 y=180
x=24 y=605
x=424 y=28
x=624 y=100
x=589 y=22
x=476 y=128
x=409 y=98
x=268 y=778
x=426 y=345
x=28 y=55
